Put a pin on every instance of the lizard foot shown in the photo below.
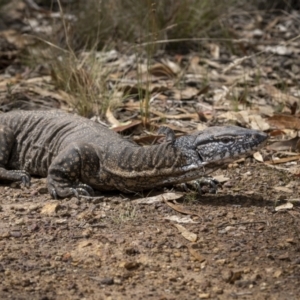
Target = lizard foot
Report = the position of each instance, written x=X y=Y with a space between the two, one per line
x=16 y=175
x=198 y=184
x=80 y=189
x=25 y=178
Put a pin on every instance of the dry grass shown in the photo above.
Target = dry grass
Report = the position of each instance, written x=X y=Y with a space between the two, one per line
x=114 y=22
x=142 y=26
x=79 y=79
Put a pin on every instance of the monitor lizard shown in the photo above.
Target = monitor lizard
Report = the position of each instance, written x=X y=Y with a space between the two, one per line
x=78 y=155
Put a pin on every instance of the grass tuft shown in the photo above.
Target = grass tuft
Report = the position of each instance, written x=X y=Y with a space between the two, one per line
x=110 y=22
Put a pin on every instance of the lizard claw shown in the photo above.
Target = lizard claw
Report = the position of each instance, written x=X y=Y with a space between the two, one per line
x=82 y=189
x=53 y=194
x=75 y=192
x=86 y=188
x=25 y=179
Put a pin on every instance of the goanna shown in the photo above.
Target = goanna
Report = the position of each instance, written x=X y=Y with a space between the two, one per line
x=78 y=155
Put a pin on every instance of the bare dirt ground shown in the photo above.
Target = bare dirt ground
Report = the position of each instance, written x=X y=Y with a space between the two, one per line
x=116 y=249
x=238 y=244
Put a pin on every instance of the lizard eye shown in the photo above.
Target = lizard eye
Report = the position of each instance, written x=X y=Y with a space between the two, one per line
x=226 y=140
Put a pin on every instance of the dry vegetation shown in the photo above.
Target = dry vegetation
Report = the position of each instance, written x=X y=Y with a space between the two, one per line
x=137 y=64
x=142 y=28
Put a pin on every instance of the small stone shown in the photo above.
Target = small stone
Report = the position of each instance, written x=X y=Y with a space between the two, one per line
x=204 y=296
x=50 y=208
x=131 y=251
x=15 y=234
x=205 y=285
x=66 y=257
x=263 y=286
x=117 y=281
x=243 y=283
x=217 y=290
x=284 y=256
x=221 y=262
x=177 y=254
x=33 y=227
x=257 y=33
x=34 y=193
x=229 y=228
x=296 y=261
x=5 y=235
x=42 y=190
x=131 y=265
x=277 y=273
x=96 y=200
x=226 y=275
x=236 y=276
x=107 y=281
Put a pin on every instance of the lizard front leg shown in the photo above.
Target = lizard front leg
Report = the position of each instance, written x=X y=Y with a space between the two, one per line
x=69 y=169
x=7 y=140
x=198 y=184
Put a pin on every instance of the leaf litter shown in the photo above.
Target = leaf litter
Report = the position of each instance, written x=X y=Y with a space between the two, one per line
x=54 y=249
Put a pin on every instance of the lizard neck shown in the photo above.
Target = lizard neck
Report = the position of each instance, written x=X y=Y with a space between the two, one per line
x=133 y=167
x=142 y=160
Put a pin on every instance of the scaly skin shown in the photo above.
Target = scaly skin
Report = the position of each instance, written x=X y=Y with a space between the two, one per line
x=78 y=155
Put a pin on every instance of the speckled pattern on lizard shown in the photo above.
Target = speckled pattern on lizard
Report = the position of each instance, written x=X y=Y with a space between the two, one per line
x=78 y=155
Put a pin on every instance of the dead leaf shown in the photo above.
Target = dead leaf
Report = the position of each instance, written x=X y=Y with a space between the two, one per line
x=161 y=70
x=258 y=123
x=190 y=236
x=285 y=206
x=172 y=65
x=284 y=122
x=277 y=274
x=282 y=160
x=158 y=198
x=111 y=118
x=283 y=189
x=204 y=90
x=295 y=170
x=276 y=132
x=286 y=145
x=122 y=128
x=235 y=63
x=177 y=219
x=258 y=156
x=214 y=51
x=193 y=116
x=181 y=209
x=244 y=117
x=189 y=93
x=176 y=128
x=221 y=178
x=196 y=254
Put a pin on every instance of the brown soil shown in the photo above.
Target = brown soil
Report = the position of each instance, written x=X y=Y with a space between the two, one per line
x=115 y=249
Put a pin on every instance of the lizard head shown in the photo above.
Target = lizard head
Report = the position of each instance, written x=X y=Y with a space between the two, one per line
x=220 y=144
